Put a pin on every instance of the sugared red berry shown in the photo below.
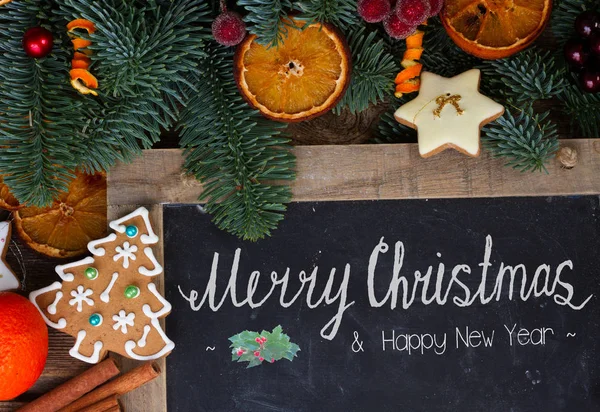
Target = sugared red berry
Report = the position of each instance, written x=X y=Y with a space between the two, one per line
x=576 y=53
x=229 y=29
x=590 y=80
x=413 y=12
x=397 y=28
x=587 y=22
x=436 y=7
x=373 y=11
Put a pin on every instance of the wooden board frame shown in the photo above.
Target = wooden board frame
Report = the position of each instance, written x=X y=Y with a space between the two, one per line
x=355 y=172
x=332 y=173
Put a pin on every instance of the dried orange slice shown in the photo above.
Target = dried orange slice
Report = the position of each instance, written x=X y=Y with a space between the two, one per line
x=65 y=228
x=494 y=29
x=7 y=200
x=302 y=78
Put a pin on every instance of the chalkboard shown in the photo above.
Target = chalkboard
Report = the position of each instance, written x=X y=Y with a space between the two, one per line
x=535 y=349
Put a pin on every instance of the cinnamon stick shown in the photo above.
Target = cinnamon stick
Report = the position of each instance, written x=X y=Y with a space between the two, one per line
x=113 y=409
x=73 y=389
x=118 y=386
x=103 y=405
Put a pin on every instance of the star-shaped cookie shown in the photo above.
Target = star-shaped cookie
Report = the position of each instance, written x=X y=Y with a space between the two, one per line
x=8 y=280
x=449 y=113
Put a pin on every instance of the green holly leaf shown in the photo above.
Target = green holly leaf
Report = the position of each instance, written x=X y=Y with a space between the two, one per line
x=272 y=346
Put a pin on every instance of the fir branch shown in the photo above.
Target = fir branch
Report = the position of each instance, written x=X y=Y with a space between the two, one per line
x=563 y=18
x=583 y=109
x=528 y=76
x=268 y=20
x=39 y=111
x=234 y=152
x=373 y=71
x=340 y=13
x=528 y=141
x=389 y=130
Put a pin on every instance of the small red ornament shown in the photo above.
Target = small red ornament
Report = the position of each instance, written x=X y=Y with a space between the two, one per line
x=37 y=42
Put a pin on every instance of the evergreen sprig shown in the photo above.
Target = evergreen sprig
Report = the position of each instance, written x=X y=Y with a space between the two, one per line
x=373 y=71
x=527 y=141
x=268 y=19
x=39 y=111
x=583 y=109
x=528 y=76
x=340 y=13
x=235 y=152
x=389 y=130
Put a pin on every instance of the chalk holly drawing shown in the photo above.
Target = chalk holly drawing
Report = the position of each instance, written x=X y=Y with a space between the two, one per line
x=255 y=348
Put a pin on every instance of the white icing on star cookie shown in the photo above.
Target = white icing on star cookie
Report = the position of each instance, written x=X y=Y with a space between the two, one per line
x=449 y=113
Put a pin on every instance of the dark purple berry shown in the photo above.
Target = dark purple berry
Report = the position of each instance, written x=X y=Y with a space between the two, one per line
x=576 y=53
x=594 y=41
x=590 y=80
x=587 y=22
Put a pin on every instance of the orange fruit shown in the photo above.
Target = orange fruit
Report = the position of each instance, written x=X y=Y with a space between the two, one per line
x=23 y=345
x=302 y=78
x=7 y=200
x=494 y=29
x=74 y=219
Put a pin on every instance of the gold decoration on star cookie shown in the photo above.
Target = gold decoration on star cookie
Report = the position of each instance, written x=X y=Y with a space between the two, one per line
x=443 y=100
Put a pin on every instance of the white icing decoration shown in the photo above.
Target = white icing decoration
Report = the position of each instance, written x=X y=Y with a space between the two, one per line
x=148 y=239
x=74 y=352
x=157 y=267
x=52 y=307
x=68 y=276
x=80 y=296
x=166 y=305
x=122 y=320
x=126 y=252
x=450 y=129
x=8 y=279
x=142 y=342
x=105 y=296
x=169 y=345
x=62 y=322
x=100 y=251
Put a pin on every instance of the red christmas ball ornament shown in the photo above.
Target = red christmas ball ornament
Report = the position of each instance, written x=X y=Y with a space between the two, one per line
x=229 y=29
x=38 y=42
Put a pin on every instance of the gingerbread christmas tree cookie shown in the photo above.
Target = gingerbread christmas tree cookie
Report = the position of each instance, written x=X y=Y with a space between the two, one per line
x=449 y=113
x=108 y=301
x=8 y=280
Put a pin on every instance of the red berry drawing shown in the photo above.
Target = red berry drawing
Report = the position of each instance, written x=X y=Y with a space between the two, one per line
x=258 y=340
x=373 y=11
x=263 y=339
x=257 y=354
x=413 y=12
x=261 y=359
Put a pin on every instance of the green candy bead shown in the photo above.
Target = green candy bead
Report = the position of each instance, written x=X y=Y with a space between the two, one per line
x=96 y=319
x=132 y=292
x=131 y=231
x=91 y=273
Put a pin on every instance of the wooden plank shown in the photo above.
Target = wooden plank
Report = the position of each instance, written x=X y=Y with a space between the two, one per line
x=152 y=397
x=362 y=172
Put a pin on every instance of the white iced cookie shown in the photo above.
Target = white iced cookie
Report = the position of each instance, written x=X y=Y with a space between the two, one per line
x=449 y=113
x=8 y=280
